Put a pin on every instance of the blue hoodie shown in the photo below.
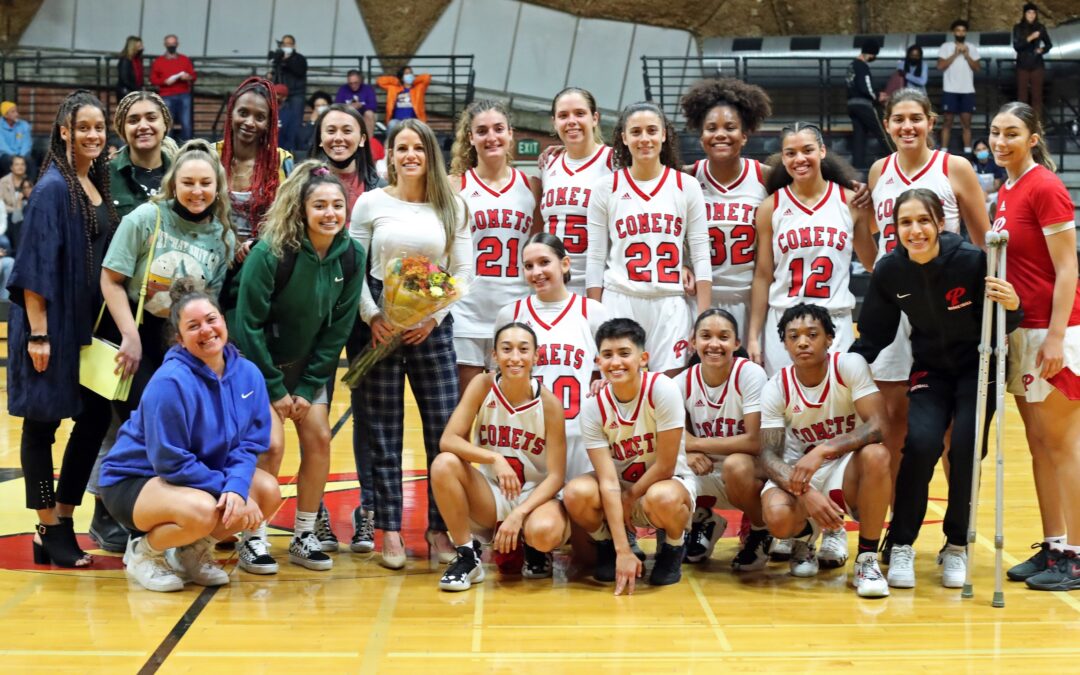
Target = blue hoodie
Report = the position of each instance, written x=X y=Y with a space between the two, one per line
x=193 y=429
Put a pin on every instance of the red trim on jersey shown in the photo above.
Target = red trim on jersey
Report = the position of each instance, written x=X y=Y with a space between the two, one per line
x=799 y=391
x=803 y=207
x=517 y=309
x=586 y=165
x=536 y=317
x=659 y=185
x=787 y=392
x=678 y=179
x=615 y=182
x=603 y=415
x=690 y=379
x=885 y=167
x=843 y=195
x=735 y=183
x=723 y=392
x=757 y=168
x=945 y=163
x=462 y=182
x=836 y=367
x=919 y=173
x=584 y=306
x=610 y=158
x=652 y=381
x=494 y=193
x=776 y=200
x=506 y=404
x=739 y=363
x=642 y=393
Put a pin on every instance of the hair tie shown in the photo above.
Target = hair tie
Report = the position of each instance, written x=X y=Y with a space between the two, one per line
x=320 y=171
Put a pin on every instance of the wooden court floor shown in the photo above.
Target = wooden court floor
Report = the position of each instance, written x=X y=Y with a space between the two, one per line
x=360 y=617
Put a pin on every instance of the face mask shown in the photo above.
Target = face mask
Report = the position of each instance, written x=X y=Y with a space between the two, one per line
x=286 y=50
x=138 y=53
x=982 y=155
x=171 y=49
x=961 y=38
x=320 y=109
x=409 y=77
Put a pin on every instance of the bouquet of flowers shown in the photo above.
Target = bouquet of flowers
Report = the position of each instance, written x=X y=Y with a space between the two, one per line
x=414 y=288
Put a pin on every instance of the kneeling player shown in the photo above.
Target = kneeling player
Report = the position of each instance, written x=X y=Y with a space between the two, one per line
x=723 y=415
x=821 y=447
x=633 y=431
x=519 y=443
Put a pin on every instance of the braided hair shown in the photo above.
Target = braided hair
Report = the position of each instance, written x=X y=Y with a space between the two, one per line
x=265 y=174
x=78 y=200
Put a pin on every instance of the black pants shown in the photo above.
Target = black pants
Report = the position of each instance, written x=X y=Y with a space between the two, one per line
x=864 y=125
x=935 y=400
x=82 y=449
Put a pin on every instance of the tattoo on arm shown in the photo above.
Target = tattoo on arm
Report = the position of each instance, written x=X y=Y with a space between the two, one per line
x=772 y=456
x=859 y=437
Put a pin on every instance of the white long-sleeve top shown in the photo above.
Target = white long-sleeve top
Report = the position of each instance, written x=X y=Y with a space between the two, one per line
x=639 y=230
x=387 y=226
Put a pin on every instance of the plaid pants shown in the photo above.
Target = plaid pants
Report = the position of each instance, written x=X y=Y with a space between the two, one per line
x=379 y=412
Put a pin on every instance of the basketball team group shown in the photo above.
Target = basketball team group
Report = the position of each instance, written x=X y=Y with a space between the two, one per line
x=641 y=343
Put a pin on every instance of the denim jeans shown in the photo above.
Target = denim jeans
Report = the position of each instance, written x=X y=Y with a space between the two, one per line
x=180 y=109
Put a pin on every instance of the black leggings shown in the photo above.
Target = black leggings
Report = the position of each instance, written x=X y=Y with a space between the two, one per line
x=935 y=400
x=82 y=449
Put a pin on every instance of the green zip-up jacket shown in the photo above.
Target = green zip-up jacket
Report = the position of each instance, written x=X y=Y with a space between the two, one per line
x=309 y=320
x=127 y=194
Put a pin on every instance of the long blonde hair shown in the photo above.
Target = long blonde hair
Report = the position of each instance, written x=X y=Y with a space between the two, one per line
x=221 y=210
x=286 y=221
x=449 y=207
x=462 y=153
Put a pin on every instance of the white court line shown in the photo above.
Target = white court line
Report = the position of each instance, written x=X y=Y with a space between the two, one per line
x=846 y=655
x=478 y=618
x=717 y=630
x=381 y=626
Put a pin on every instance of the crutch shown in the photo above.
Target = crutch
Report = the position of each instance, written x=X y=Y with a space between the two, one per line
x=993 y=313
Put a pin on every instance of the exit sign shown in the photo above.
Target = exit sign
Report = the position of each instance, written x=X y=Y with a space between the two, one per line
x=528 y=147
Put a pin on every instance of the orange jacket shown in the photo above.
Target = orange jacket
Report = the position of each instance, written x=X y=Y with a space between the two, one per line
x=393 y=87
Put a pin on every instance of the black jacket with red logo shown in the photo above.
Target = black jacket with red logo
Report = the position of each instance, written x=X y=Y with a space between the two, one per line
x=943 y=300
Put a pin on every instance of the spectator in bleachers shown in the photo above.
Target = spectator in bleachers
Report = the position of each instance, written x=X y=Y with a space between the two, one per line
x=129 y=67
x=1031 y=41
x=15 y=138
x=360 y=96
x=914 y=68
x=290 y=69
x=958 y=61
x=174 y=76
x=991 y=176
x=14 y=191
x=862 y=105
x=404 y=96
x=319 y=102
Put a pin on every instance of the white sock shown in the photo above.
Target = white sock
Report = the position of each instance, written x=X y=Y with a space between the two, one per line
x=967 y=151
x=602 y=533
x=260 y=531
x=1074 y=549
x=147 y=549
x=1059 y=539
x=675 y=541
x=305 y=522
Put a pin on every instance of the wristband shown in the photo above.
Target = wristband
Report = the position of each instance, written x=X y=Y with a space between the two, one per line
x=44 y=337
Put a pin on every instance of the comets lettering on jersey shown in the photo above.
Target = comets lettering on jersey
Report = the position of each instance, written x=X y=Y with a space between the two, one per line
x=567 y=195
x=812 y=237
x=506 y=219
x=560 y=355
x=503 y=436
x=649 y=223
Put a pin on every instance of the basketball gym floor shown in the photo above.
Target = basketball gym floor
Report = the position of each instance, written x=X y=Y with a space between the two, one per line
x=360 y=617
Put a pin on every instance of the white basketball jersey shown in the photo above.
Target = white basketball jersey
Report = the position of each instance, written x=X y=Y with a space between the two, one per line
x=721 y=415
x=646 y=226
x=515 y=433
x=729 y=210
x=565 y=205
x=934 y=176
x=812 y=247
x=632 y=438
x=500 y=221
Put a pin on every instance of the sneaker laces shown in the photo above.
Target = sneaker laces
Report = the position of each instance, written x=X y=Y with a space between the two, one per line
x=323 y=530
x=869 y=570
x=307 y=543
x=365 y=531
x=902 y=555
x=754 y=541
x=462 y=564
x=953 y=560
x=256 y=547
x=159 y=567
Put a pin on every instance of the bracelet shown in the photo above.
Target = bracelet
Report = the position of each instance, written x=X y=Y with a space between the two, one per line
x=44 y=337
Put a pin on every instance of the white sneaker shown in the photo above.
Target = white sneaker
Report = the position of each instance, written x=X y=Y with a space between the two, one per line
x=780 y=551
x=196 y=563
x=833 y=552
x=902 y=567
x=869 y=582
x=152 y=572
x=953 y=560
x=804 y=560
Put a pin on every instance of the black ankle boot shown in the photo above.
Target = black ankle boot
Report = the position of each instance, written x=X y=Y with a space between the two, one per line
x=58 y=545
x=109 y=534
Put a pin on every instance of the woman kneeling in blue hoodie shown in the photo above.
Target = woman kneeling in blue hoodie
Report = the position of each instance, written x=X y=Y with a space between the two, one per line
x=182 y=471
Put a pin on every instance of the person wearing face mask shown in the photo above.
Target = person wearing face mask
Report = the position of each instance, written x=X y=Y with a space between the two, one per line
x=319 y=102
x=195 y=239
x=959 y=61
x=862 y=105
x=913 y=68
x=290 y=69
x=340 y=139
x=1031 y=41
x=404 y=96
x=991 y=176
x=129 y=67
x=174 y=76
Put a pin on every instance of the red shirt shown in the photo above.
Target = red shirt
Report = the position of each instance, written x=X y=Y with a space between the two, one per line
x=1037 y=200
x=164 y=67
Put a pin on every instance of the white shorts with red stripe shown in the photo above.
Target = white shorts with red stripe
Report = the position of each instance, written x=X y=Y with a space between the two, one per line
x=1024 y=376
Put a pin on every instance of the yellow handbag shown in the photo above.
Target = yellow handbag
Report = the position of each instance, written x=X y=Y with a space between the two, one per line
x=97 y=361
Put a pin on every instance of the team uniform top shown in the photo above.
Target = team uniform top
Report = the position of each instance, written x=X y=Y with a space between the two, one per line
x=813 y=415
x=568 y=185
x=629 y=430
x=515 y=433
x=729 y=211
x=1026 y=210
x=717 y=412
x=500 y=221
x=639 y=230
x=812 y=251
x=565 y=346
x=933 y=176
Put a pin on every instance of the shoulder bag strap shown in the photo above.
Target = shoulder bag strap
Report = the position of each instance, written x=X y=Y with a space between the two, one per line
x=145 y=280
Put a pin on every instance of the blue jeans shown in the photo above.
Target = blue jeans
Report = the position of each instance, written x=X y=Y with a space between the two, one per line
x=180 y=108
x=6 y=263
x=292 y=118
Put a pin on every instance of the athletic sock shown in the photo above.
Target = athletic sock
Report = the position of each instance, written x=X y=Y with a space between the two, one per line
x=868 y=545
x=1059 y=539
x=676 y=541
x=147 y=548
x=260 y=531
x=807 y=531
x=1058 y=546
x=305 y=522
x=602 y=533
x=1074 y=549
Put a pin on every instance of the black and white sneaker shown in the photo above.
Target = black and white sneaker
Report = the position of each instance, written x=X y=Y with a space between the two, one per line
x=363 y=539
x=537 y=564
x=668 y=567
x=702 y=538
x=464 y=570
x=254 y=556
x=605 y=561
x=754 y=554
x=306 y=551
x=327 y=539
